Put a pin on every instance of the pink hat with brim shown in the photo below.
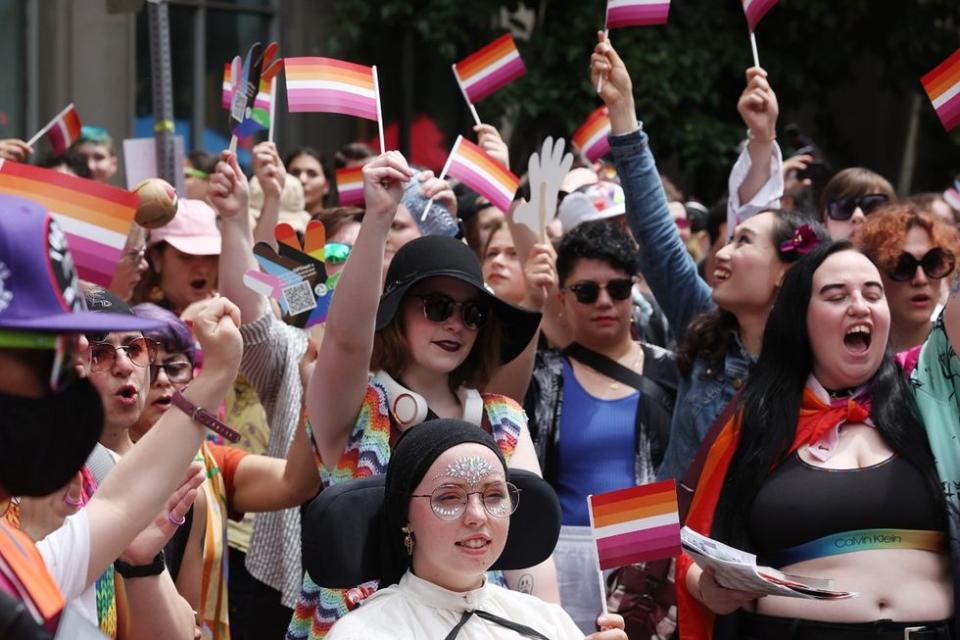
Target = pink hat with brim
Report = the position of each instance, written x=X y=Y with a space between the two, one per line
x=193 y=230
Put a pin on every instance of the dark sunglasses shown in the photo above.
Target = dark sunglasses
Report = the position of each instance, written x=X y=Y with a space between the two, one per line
x=843 y=208
x=438 y=307
x=936 y=263
x=140 y=351
x=178 y=372
x=587 y=291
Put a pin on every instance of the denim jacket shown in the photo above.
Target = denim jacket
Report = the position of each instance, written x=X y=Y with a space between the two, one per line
x=682 y=294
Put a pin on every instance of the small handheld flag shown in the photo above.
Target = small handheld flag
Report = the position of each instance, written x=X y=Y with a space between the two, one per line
x=328 y=85
x=943 y=88
x=471 y=165
x=95 y=217
x=638 y=524
x=62 y=131
x=636 y=13
x=350 y=186
x=488 y=69
x=591 y=139
x=755 y=10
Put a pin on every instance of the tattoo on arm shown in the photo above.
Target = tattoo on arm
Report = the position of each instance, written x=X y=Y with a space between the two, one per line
x=525 y=583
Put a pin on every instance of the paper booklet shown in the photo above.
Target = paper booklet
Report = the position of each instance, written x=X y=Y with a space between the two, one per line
x=736 y=569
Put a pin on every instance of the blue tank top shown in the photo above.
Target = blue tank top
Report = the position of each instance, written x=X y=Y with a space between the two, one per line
x=597 y=448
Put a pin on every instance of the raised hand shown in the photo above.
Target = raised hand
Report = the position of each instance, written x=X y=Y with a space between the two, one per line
x=758 y=106
x=269 y=169
x=438 y=190
x=540 y=272
x=229 y=191
x=15 y=149
x=617 y=89
x=216 y=326
x=488 y=139
x=383 y=179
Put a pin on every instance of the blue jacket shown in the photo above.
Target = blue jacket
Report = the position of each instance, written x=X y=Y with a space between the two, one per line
x=682 y=294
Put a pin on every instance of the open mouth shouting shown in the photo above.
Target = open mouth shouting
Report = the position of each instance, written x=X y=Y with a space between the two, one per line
x=127 y=395
x=198 y=284
x=857 y=339
x=720 y=274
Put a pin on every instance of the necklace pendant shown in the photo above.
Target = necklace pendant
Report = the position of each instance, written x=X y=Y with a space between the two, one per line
x=615 y=386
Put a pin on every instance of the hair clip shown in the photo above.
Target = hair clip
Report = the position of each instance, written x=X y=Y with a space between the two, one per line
x=804 y=241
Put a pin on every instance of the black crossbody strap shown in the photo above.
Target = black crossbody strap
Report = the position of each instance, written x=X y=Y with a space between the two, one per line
x=523 y=630
x=616 y=371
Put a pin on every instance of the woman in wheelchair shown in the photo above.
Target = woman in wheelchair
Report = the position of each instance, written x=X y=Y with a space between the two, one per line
x=429 y=531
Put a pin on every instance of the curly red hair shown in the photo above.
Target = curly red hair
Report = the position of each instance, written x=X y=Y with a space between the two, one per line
x=885 y=232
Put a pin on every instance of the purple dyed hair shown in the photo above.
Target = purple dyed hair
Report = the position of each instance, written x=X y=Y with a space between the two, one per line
x=174 y=335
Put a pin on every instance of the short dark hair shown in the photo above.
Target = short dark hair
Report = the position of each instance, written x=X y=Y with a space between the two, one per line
x=202 y=161
x=71 y=159
x=597 y=240
x=351 y=152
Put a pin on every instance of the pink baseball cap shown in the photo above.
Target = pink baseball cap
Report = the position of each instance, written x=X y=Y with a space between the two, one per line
x=193 y=230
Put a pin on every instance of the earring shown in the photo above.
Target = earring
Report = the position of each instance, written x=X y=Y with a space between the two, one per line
x=407 y=540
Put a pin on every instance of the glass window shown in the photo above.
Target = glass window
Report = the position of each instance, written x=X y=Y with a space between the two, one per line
x=12 y=51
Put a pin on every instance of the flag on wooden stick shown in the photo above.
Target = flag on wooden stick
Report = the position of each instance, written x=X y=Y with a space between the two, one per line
x=755 y=10
x=471 y=165
x=636 y=13
x=639 y=524
x=591 y=138
x=61 y=132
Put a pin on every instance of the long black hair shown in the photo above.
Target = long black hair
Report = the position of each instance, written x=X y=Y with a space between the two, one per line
x=770 y=403
x=708 y=335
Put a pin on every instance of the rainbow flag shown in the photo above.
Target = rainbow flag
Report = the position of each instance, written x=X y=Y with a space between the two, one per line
x=350 y=186
x=64 y=130
x=484 y=71
x=591 y=137
x=636 y=13
x=95 y=217
x=943 y=87
x=471 y=165
x=638 y=524
x=332 y=86
x=755 y=10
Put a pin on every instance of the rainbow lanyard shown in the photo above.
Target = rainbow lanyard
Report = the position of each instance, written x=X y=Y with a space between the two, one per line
x=858 y=540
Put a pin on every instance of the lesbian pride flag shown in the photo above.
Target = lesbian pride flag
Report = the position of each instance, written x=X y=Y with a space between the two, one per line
x=95 y=217
x=636 y=13
x=591 y=137
x=943 y=87
x=484 y=71
x=332 y=86
x=638 y=524
x=64 y=130
x=471 y=165
x=755 y=10
x=350 y=186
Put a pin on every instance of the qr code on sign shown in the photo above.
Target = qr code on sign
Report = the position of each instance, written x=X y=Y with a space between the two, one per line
x=299 y=298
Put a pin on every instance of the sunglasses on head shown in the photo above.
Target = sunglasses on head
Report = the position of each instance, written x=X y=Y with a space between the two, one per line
x=438 y=307
x=588 y=291
x=140 y=351
x=936 y=263
x=843 y=208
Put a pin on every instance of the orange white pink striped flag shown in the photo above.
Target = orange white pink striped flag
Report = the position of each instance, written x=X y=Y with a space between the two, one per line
x=484 y=71
x=350 y=186
x=639 y=524
x=591 y=137
x=943 y=88
x=61 y=132
x=471 y=165
x=755 y=10
x=95 y=217
x=332 y=86
x=636 y=13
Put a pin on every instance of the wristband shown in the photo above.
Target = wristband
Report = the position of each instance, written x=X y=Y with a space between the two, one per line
x=202 y=416
x=155 y=568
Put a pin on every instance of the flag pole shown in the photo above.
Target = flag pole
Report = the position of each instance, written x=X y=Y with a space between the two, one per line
x=443 y=174
x=32 y=141
x=273 y=105
x=473 y=109
x=376 y=87
x=603 y=584
x=606 y=36
x=753 y=46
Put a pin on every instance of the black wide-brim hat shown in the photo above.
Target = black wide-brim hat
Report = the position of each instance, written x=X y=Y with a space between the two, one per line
x=432 y=256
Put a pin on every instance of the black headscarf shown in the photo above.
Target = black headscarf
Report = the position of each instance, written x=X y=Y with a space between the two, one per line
x=417 y=449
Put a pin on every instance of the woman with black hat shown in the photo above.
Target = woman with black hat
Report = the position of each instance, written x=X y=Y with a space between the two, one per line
x=432 y=339
x=438 y=543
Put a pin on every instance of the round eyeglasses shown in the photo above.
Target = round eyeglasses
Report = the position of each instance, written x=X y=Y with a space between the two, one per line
x=448 y=502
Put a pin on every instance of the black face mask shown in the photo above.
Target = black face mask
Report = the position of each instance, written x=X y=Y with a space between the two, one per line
x=45 y=441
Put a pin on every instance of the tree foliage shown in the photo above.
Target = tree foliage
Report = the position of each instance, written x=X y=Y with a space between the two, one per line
x=845 y=71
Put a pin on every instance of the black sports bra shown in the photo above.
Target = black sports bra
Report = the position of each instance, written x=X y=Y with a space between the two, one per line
x=800 y=503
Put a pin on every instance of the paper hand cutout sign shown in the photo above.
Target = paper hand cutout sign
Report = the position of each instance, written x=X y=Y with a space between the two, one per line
x=546 y=170
x=294 y=276
x=258 y=68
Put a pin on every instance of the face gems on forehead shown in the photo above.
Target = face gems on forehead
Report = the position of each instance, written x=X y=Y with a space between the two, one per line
x=471 y=469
